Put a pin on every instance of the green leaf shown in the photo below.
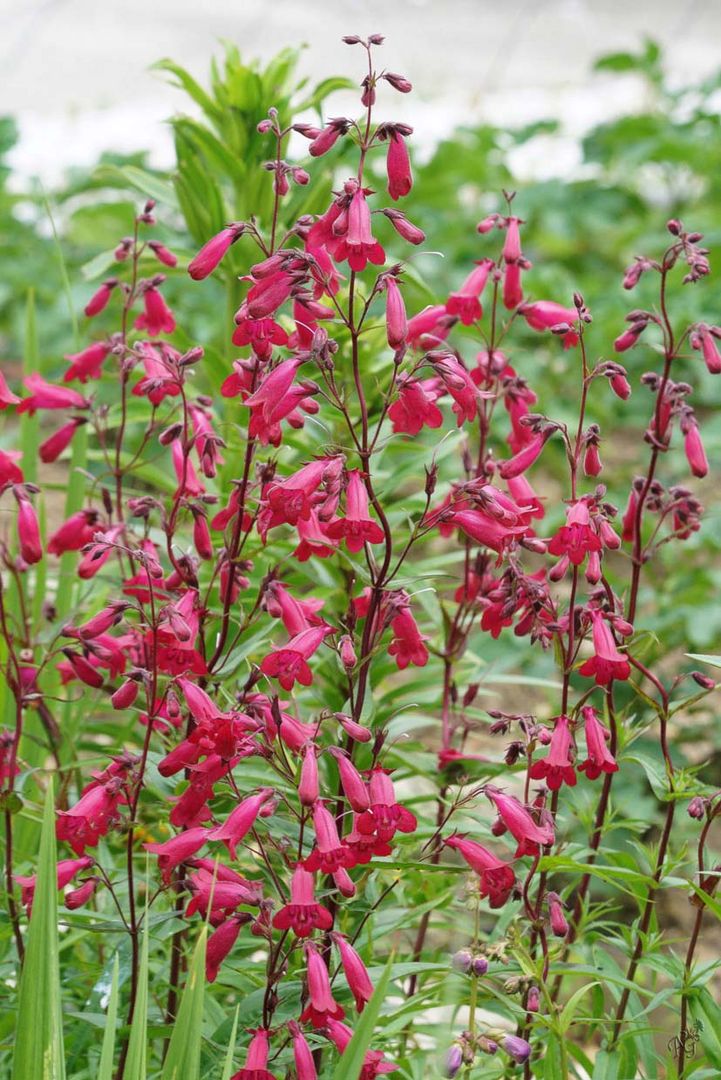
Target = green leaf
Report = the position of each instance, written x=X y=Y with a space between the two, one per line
x=105 y=1068
x=704 y=658
x=707 y=1018
x=351 y=1063
x=136 y=1061
x=182 y=1061
x=228 y=1063
x=39 y=1052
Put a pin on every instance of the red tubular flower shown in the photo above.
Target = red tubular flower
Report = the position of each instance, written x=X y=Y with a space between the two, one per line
x=326 y=139
x=74 y=533
x=704 y=339
x=257 y=1059
x=217 y=891
x=163 y=254
x=355 y=972
x=44 y=395
x=599 y=759
x=212 y=252
x=31 y=548
x=66 y=871
x=83 y=824
x=76 y=898
x=87 y=364
x=7 y=398
x=267 y=294
x=373 y=1064
x=398 y=164
x=240 y=821
x=99 y=300
x=385 y=816
x=487 y=531
x=321 y=1006
x=303 y=914
x=608 y=663
x=357 y=243
x=577 y=538
x=466 y=302
x=519 y=822
x=459 y=384
x=352 y=783
x=559 y=926
x=220 y=942
x=512 y=288
x=356 y=528
x=396 y=320
x=10 y=473
x=157 y=317
x=524 y=458
x=302 y=1055
x=556 y=768
x=693 y=445
x=330 y=852
x=497 y=877
x=51 y=449
x=545 y=314
x=173 y=852
x=430 y=327
x=416 y=406
x=289 y=663
x=407 y=645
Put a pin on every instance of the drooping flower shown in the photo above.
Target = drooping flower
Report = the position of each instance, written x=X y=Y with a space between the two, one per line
x=519 y=822
x=87 y=364
x=398 y=164
x=256 y=1059
x=289 y=663
x=497 y=878
x=302 y=1055
x=415 y=406
x=321 y=1005
x=466 y=303
x=357 y=527
x=157 y=318
x=240 y=821
x=214 y=251
x=220 y=942
x=546 y=314
x=303 y=914
x=577 y=538
x=600 y=759
x=607 y=663
x=408 y=644
x=177 y=849
x=556 y=768
x=355 y=972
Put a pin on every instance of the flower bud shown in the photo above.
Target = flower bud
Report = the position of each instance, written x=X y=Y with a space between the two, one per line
x=462 y=961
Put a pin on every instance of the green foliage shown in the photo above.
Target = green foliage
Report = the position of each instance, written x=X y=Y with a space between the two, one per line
x=664 y=162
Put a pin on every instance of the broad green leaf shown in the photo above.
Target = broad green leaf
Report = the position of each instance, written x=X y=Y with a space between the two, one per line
x=39 y=1052
x=182 y=1061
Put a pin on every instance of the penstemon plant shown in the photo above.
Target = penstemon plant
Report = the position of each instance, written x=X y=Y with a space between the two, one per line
x=261 y=569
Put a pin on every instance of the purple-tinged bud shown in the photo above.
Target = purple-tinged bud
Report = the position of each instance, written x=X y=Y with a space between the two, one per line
x=125 y=695
x=462 y=961
x=398 y=82
x=533 y=1001
x=454 y=1061
x=674 y=227
x=697 y=807
x=559 y=926
x=703 y=681
x=479 y=966
x=516 y=1047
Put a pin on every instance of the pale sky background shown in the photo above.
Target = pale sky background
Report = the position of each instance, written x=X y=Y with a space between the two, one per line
x=76 y=72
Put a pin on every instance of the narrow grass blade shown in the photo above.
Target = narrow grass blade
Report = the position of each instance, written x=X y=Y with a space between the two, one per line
x=182 y=1062
x=350 y=1065
x=105 y=1069
x=230 y=1052
x=136 y=1061
x=39 y=1049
